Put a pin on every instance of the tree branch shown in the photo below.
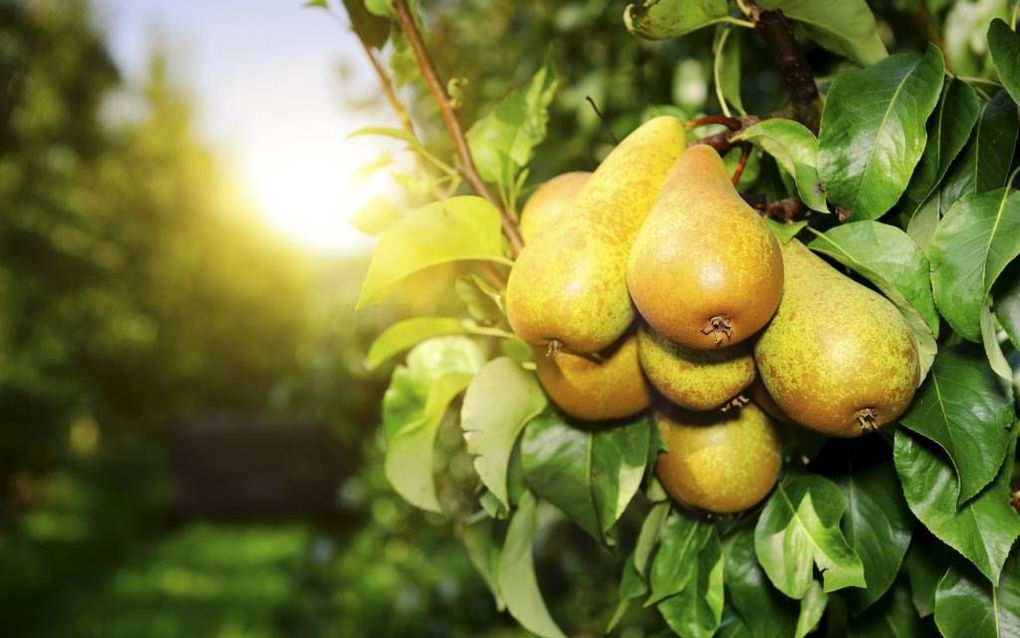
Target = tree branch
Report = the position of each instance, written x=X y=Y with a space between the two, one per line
x=435 y=86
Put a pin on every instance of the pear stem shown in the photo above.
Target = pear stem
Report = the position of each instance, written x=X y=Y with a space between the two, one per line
x=745 y=152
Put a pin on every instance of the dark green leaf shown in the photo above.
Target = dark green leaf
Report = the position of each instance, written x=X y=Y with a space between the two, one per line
x=950 y=129
x=892 y=617
x=372 y=29
x=799 y=528
x=672 y=18
x=796 y=150
x=872 y=132
x=846 y=27
x=460 y=228
x=517 y=579
x=964 y=408
x=500 y=401
x=925 y=564
x=972 y=245
x=404 y=334
x=1004 y=45
x=632 y=586
x=484 y=551
x=1006 y=296
x=697 y=610
x=765 y=611
x=967 y=605
x=675 y=561
x=982 y=530
x=812 y=607
x=590 y=474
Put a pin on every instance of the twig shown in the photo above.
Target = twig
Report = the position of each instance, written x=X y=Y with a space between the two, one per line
x=732 y=123
x=436 y=87
x=723 y=142
x=745 y=152
x=783 y=210
x=602 y=118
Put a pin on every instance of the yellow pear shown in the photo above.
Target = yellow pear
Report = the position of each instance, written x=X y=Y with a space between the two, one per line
x=567 y=288
x=550 y=202
x=705 y=270
x=837 y=357
x=592 y=390
x=722 y=463
x=694 y=379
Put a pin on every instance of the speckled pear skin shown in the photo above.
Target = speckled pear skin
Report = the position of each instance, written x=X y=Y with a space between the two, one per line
x=705 y=270
x=568 y=284
x=550 y=202
x=837 y=357
x=719 y=462
x=694 y=379
x=595 y=391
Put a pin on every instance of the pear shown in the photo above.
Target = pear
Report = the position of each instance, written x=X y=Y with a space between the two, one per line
x=694 y=379
x=595 y=390
x=705 y=270
x=550 y=202
x=721 y=463
x=567 y=288
x=837 y=357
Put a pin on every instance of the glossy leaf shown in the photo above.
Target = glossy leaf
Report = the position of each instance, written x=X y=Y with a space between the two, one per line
x=892 y=617
x=796 y=150
x=872 y=132
x=950 y=129
x=964 y=408
x=413 y=407
x=972 y=245
x=672 y=18
x=799 y=528
x=457 y=229
x=676 y=558
x=1004 y=46
x=590 y=473
x=984 y=163
x=846 y=27
x=500 y=401
x=404 y=334
x=983 y=529
x=765 y=611
x=697 y=610
x=967 y=605
x=517 y=579
x=812 y=608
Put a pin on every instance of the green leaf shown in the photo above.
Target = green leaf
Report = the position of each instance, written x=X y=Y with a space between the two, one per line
x=925 y=564
x=846 y=27
x=413 y=407
x=964 y=408
x=892 y=617
x=872 y=132
x=765 y=611
x=796 y=150
x=517 y=578
x=1004 y=45
x=384 y=131
x=460 y=228
x=966 y=604
x=983 y=529
x=877 y=525
x=483 y=302
x=951 y=125
x=921 y=226
x=889 y=252
x=993 y=351
x=785 y=232
x=726 y=49
x=502 y=142
x=812 y=607
x=964 y=32
x=697 y=610
x=648 y=537
x=1007 y=304
x=675 y=561
x=851 y=248
x=972 y=245
x=371 y=29
x=799 y=527
x=672 y=18
x=484 y=552
x=590 y=473
x=984 y=163
x=404 y=334
x=632 y=586
x=500 y=401
x=375 y=216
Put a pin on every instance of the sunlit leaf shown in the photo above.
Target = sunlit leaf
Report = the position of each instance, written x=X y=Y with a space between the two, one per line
x=460 y=228
x=872 y=132
x=484 y=302
x=375 y=215
x=672 y=18
x=796 y=150
x=500 y=401
x=812 y=607
x=846 y=27
x=404 y=334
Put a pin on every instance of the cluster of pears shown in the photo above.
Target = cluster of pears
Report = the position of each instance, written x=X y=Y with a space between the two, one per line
x=651 y=282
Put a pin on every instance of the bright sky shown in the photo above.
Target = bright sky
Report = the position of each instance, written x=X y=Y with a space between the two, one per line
x=263 y=75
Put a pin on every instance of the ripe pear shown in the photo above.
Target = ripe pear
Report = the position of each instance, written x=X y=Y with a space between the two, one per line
x=550 y=202
x=705 y=270
x=722 y=463
x=694 y=379
x=837 y=357
x=592 y=390
x=567 y=288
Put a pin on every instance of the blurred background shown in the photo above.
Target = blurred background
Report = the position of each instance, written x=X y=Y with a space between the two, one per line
x=189 y=441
